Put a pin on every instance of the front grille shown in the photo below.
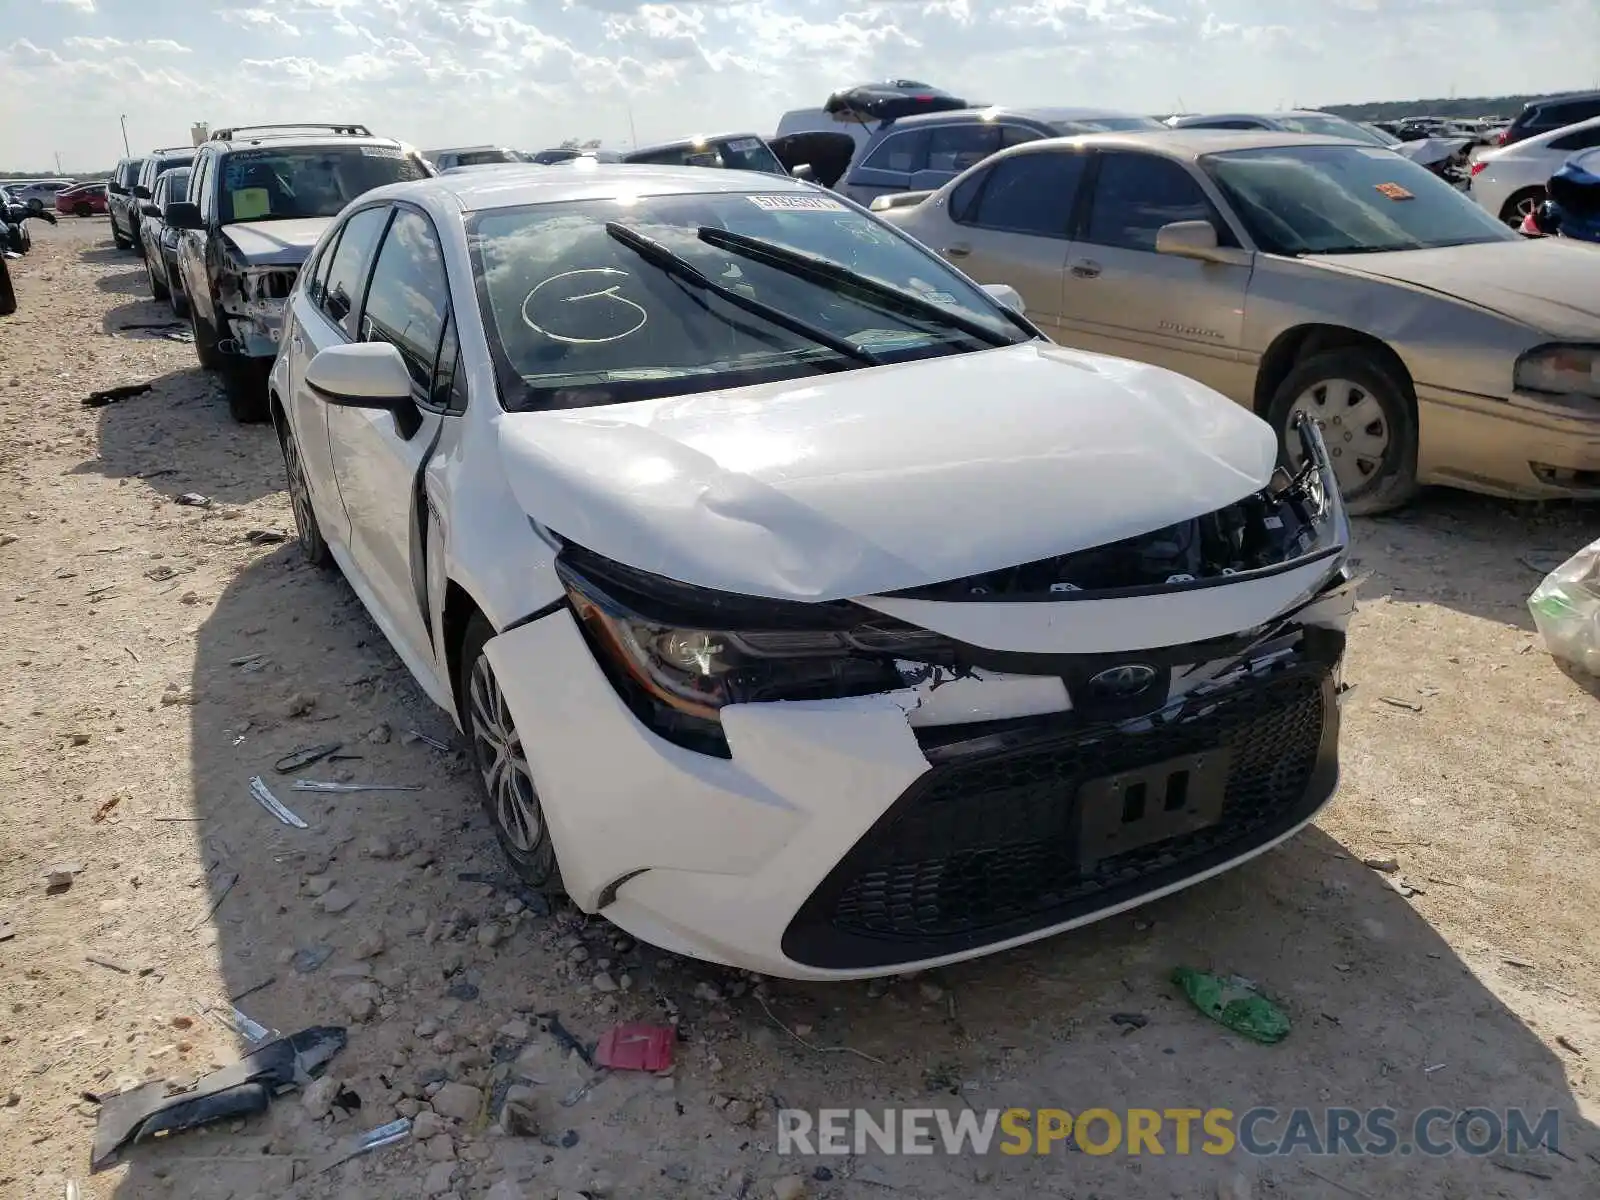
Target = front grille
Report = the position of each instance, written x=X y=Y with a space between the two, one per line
x=986 y=847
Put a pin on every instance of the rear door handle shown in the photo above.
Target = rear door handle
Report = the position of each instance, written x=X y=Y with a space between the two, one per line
x=1086 y=269
x=957 y=251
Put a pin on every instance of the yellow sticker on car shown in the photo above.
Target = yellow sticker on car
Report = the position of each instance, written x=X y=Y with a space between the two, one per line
x=250 y=204
x=1393 y=190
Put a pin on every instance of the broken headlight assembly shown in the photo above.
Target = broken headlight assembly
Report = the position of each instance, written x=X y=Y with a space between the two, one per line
x=677 y=654
x=1560 y=371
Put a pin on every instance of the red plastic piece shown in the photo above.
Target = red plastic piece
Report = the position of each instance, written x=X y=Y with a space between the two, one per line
x=635 y=1046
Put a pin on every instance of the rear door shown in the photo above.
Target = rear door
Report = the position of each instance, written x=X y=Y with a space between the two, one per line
x=1009 y=224
x=325 y=313
x=952 y=149
x=378 y=456
x=888 y=166
x=1123 y=298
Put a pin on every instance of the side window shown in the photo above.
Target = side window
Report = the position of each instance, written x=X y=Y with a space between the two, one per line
x=1136 y=194
x=200 y=186
x=902 y=152
x=1031 y=193
x=965 y=196
x=1015 y=135
x=1583 y=139
x=347 y=273
x=317 y=284
x=957 y=147
x=408 y=300
x=449 y=392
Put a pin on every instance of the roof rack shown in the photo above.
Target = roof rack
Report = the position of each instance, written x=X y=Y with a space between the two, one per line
x=228 y=135
x=167 y=150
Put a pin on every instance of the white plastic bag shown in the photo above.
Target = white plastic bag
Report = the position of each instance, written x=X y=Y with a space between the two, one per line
x=1566 y=608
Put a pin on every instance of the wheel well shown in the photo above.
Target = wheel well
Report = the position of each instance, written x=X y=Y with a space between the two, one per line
x=1303 y=341
x=459 y=609
x=1510 y=205
x=275 y=412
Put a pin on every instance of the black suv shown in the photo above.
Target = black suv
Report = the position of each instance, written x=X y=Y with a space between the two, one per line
x=259 y=198
x=120 y=204
x=1553 y=112
x=144 y=184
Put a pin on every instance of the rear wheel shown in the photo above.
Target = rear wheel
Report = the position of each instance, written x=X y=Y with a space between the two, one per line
x=117 y=240
x=245 y=382
x=312 y=543
x=1368 y=421
x=1521 y=204
x=510 y=796
x=158 y=286
x=82 y=209
x=8 y=294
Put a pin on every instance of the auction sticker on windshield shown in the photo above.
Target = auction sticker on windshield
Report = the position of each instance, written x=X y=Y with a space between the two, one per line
x=774 y=202
x=1393 y=190
x=743 y=144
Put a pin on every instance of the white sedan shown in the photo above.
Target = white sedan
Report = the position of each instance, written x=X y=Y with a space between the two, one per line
x=1510 y=182
x=805 y=609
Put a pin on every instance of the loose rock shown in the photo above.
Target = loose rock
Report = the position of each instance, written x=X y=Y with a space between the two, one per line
x=427 y=1125
x=318 y=1098
x=505 y=1190
x=370 y=944
x=604 y=983
x=439 y=1179
x=490 y=935
x=380 y=734
x=440 y=1149
x=790 y=1187
x=380 y=847
x=335 y=900
x=458 y=1100
x=360 y=1000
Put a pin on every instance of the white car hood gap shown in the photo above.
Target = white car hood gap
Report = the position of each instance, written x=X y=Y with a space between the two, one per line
x=878 y=479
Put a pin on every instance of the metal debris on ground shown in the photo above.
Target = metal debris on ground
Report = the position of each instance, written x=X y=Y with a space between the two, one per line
x=266 y=537
x=418 y=736
x=253 y=989
x=111 y=395
x=264 y=797
x=217 y=903
x=318 y=785
x=309 y=958
x=193 y=500
x=110 y=964
x=1235 y=1003
x=232 y=1018
x=565 y=1038
x=1396 y=702
x=242 y=1089
x=812 y=1045
x=536 y=903
x=636 y=1046
x=306 y=755
x=362 y=1143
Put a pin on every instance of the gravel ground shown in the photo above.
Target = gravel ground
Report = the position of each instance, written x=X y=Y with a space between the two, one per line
x=158 y=658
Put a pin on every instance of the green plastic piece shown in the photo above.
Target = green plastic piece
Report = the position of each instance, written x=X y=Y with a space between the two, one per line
x=1235 y=1003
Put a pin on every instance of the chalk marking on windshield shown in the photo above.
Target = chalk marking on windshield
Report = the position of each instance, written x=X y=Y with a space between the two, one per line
x=609 y=292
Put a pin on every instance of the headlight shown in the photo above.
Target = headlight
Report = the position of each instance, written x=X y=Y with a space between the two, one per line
x=677 y=654
x=1560 y=370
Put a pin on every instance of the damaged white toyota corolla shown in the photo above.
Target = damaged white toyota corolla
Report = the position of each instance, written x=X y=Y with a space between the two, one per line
x=805 y=609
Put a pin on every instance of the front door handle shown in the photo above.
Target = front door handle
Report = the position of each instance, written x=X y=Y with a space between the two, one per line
x=957 y=251
x=1087 y=269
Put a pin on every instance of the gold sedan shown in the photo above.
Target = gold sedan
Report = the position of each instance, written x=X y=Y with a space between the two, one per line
x=1296 y=273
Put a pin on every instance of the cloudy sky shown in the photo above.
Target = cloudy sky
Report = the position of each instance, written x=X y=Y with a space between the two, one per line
x=531 y=72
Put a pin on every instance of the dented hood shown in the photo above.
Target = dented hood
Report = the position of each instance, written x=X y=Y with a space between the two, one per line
x=276 y=243
x=889 y=477
x=1546 y=284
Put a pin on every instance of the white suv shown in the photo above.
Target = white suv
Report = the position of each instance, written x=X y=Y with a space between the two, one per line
x=1510 y=182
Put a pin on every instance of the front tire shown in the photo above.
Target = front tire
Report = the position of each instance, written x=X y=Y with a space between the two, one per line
x=312 y=544
x=117 y=240
x=205 y=341
x=8 y=293
x=158 y=288
x=510 y=797
x=1368 y=420
x=245 y=382
x=1520 y=205
x=82 y=210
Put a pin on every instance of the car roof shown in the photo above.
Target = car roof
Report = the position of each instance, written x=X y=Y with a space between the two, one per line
x=1190 y=144
x=289 y=141
x=1561 y=98
x=995 y=112
x=478 y=191
x=698 y=139
x=1541 y=141
x=1260 y=116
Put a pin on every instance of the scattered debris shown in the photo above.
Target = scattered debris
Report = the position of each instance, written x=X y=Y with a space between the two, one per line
x=1517 y=962
x=636 y=1046
x=266 y=537
x=1566 y=609
x=1129 y=1021
x=565 y=1038
x=217 y=903
x=226 y=1014
x=264 y=797
x=416 y=736
x=194 y=500
x=304 y=756
x=309 y=958
x=1396 y=702
x=297 y=705
x=1567 y=1043
x=103 y=809
x=59 y=877
x=1387 y=865
x=1512 y=1165
x=1435 y=1067
x=363 y=1143
x=110 y=964
x=7 y=931
x=812 y=1045
x=246 y=1087
x=534 y=902
x=111 y=395
x=1233 y=1002
x=318 y=785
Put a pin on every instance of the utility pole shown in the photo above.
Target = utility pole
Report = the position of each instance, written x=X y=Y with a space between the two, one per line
x=125 y=150
x=633 y=134
x=58 y=163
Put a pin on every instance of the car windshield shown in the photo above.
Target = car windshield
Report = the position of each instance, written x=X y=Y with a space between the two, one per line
x=1325 y=126
x=1346 y=200
x=576 y=317
x=1104 y=125
x=477 y=158
x=272 y=185
x=733 y=154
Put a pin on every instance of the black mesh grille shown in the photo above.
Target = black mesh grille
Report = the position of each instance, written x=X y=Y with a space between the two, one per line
x=986 y=847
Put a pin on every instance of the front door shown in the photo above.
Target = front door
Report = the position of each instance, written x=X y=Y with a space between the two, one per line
x=378 y=455
x=1123 y=298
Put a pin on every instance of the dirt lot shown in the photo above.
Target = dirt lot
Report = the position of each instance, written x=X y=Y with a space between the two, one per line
x=158 y=659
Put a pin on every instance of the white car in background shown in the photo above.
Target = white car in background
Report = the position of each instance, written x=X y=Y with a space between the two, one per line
x=805 y=610
x=1510 y=182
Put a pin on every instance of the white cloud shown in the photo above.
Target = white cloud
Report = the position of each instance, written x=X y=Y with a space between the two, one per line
x=152 y=45
x=81 y=5
x=259 y=18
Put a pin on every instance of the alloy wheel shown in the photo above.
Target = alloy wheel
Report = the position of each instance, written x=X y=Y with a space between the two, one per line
x=305 y=520
x=501 y=760
x=1524 y=209
x=1353 y=426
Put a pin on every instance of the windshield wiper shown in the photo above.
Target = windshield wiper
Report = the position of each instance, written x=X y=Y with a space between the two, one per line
x=656 y=254
x=823 y=270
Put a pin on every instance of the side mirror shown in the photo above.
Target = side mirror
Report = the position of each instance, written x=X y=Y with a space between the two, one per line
x=181 y=214
x=116 y=189
x=143 y=193
x=804 y=171
x=149 y=209
x=1189 y=239
x=361 y=375
x=1004 y=293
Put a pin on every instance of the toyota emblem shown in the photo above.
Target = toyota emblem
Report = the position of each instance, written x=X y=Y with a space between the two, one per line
x=1122 y=682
